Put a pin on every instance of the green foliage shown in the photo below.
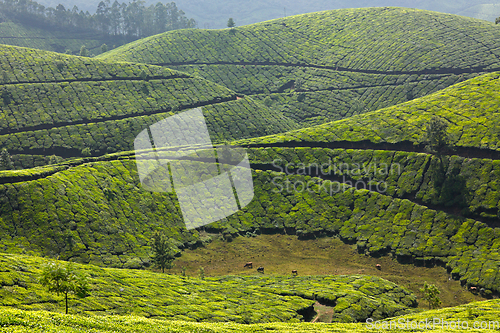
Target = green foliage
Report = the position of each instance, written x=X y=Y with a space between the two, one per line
x=431 y=295
x=83 y=51
x=239 y=299
x=201 y=273
x=112 y=103
x=23 y=322
x=64 y=280
x=230 y=23
x=333 y=62
x=469 y=107
x=436 y=136
x=104 y=48
x=163 y=251
x=5 y=160
x=86 y=152
x=268 y=101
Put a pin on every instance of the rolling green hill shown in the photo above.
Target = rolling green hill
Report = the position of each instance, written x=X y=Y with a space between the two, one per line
x=330 y=65
x=246 y=300
x=471 y=110
x=93 y=211
x=53 y=104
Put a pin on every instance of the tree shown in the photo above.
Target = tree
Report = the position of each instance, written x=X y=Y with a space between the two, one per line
x=163 y=251
x=436 y=136
x=230 y=23
x=104 y=48
x=83 y=51
x=431 y=293
x=497 y=20
x=64 y=280
x=6 y=160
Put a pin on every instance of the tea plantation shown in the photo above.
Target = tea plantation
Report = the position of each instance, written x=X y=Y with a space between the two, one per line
x=469 y=108
x=93 y=211
x=244 y=300
x=330 y=65
x=14 y=320
x=53 y=104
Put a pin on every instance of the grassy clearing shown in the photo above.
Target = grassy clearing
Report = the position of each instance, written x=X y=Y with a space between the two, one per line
x=280 y=254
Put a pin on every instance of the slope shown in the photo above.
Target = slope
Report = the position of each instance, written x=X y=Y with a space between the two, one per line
x=469 y=108
x=331 y=65
x=246 y=300
x=63 y=105
x=21 y=321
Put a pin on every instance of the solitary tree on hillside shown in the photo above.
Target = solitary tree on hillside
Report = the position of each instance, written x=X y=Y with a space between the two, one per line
x=497 y=20
x=83 y=51
x=431 y=293
x=436 y=136
x=5 y=160
x=163 y=251
x=230 y=23
x=64 y=280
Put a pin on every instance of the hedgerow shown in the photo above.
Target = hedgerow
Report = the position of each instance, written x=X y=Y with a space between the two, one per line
x=245 y=300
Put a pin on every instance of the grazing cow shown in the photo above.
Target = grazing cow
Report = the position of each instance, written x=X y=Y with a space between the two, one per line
x=260 y=269
x=473 y=288
x=294 y=272
x=248 y=264
x=378 y=266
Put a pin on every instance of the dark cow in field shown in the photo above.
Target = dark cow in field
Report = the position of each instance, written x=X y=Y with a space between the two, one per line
x=248 y=264
x=260 y=269
x=294 y=272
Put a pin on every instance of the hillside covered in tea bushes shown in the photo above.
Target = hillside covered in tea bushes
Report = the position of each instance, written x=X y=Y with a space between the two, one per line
x=93 y=211
x=330 y=65
x=246 y=300
x=470 y=109
x=22 y=321
x=53 y=104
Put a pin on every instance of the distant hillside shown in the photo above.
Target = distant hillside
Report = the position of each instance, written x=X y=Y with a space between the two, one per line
x=67 y=104
x=58 y=41
x=326 y=66
x=215 y=13
x=28 y=23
